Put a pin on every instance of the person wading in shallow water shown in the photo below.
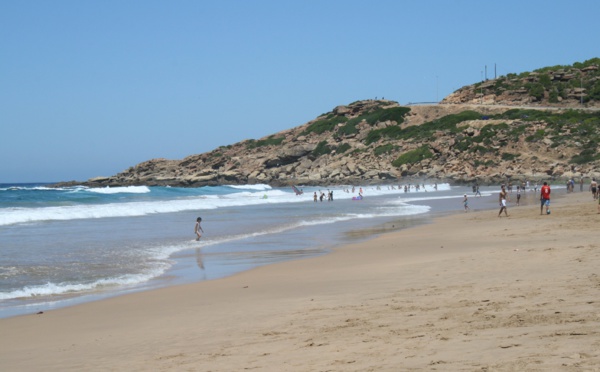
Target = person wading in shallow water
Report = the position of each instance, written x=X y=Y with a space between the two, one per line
x=502 y=201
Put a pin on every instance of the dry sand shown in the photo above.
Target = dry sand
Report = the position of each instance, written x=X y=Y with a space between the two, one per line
x=469 y=292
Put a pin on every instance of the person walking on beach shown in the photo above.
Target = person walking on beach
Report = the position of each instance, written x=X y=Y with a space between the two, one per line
x=594 y=188
x=518 y=195
x=466 y=203
x=545 y=198
x=198 y=228
x=502 y=201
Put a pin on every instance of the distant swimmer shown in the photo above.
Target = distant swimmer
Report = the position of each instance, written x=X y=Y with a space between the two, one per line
x=198 y=228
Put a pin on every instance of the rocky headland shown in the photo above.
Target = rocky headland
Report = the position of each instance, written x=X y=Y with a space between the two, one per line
x=533 y=126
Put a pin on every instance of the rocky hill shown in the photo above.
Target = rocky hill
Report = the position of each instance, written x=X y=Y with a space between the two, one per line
x=379 y=141
x=559 y=86
x=482 y=132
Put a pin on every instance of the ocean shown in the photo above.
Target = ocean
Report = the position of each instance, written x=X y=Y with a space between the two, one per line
x=62 y=246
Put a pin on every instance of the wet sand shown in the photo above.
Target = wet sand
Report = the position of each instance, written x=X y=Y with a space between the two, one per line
x=470 y=291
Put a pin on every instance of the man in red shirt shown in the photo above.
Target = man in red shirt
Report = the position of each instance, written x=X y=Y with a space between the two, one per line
x=545 y=198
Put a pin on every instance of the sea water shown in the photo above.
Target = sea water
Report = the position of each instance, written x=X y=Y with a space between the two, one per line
x=60 y=246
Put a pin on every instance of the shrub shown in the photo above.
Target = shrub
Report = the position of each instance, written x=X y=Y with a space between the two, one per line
x=594 y=92
x=587 y=155
x=413 y=157
x=384 y=149
x=537 y=136
x=508 y=156
x=373 y=136
x=481 y=149
x=325 y=125
x=464 y=144
x=343 y=148
x=424 y=131
x=349 y=128
x=516 y=133
x=379 y=115
x=545 y=81
x=394 y=114
x=270 y=141
x=321 y=149
x=536 y=90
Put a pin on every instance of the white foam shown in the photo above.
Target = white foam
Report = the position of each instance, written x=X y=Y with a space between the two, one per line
x=258 y=187
x=50 y=288
x=119 y=190
x=130 y=209
x=35 y=188
x=158 y=255
x=18 y=215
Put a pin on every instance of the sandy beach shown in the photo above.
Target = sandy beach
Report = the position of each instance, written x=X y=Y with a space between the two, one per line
x=469 y=292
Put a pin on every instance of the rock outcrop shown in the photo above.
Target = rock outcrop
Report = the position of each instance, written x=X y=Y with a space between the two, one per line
x=379 y=141
x=558 y=86
x=481 y=132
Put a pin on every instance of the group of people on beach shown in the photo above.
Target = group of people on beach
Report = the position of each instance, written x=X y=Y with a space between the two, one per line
x=544 y=195
x=571 y=185
x=322 y=196
x=503 y=198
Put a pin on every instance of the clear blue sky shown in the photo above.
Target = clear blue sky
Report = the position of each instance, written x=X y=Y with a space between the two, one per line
x=90 y=88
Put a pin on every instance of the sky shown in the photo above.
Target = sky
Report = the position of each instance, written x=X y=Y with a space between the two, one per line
x=91 y=88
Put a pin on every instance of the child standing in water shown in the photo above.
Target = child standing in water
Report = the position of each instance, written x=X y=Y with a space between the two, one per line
x=198 y=228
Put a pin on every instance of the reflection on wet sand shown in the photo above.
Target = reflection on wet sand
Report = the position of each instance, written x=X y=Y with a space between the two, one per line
x=200 y=262
x=399 y=224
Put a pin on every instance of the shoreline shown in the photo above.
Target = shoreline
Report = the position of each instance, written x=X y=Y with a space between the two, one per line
x=189 y=264
x=469 y=290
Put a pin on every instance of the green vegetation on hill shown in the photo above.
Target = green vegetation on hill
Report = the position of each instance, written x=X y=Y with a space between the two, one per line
x=555 y=83
x=573 y=126
x=325 y=125
x=376 y=115
x=322 y=149
x=343 y=148
x=270 y=141
x=424 y=131
x=413 y=157
x=384 y=149
x=396 y=114
x=568 y=128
